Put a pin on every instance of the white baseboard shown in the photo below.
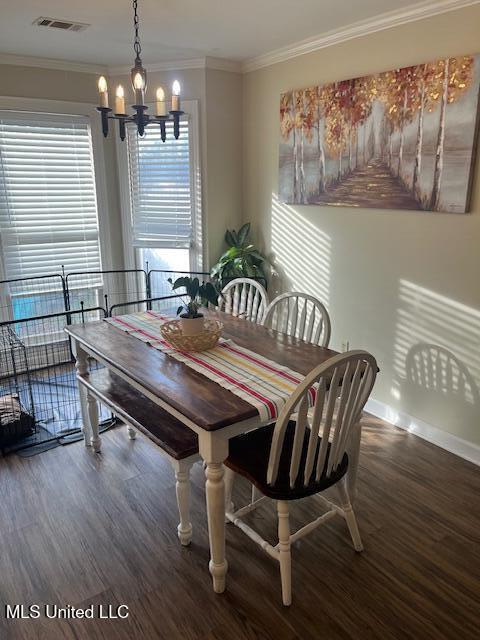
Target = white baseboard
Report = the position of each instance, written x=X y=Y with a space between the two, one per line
x=463 y=448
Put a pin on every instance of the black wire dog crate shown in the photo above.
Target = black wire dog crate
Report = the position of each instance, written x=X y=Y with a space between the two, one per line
x=17 y=418
x=38 y=379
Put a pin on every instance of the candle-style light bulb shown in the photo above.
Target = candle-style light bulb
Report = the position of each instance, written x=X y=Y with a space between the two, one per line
x=138 y=82
x=103 y=90
x=139 y=87
x=120 y=100
x=161 y=104
x=176 y=96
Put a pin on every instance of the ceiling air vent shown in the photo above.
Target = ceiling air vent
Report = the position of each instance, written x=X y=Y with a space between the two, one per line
x=64 y=25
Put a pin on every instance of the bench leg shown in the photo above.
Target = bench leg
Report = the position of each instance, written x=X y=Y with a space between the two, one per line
x=81 y=365
x=86 y=430
x=182 y=477
x=94 y=421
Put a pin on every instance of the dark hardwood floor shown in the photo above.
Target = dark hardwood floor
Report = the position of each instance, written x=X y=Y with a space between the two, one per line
x=80 y=529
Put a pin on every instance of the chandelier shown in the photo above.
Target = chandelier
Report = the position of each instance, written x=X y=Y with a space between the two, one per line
x=141 y=118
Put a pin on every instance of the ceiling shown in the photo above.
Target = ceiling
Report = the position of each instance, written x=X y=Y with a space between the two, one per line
x=177 y=29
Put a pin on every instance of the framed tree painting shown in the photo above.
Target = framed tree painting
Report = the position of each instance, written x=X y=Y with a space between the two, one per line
x=403 y=139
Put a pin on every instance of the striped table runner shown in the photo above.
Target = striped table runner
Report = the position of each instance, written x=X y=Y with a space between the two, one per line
x=263 y=383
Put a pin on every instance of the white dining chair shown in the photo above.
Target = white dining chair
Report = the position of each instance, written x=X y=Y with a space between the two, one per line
x=245 y=298
x=293 y=459
x=299 y=315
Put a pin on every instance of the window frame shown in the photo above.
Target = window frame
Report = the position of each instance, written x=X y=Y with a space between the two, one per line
x=23 y=107
x=197 y=246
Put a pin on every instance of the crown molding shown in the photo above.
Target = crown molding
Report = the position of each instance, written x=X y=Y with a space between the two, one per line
x=208 y=62
x=168 y=65
x=220 y=64
x=381 y=22
x=51 y=63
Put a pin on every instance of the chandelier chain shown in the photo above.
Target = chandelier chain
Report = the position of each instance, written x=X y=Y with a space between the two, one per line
x=136 y=44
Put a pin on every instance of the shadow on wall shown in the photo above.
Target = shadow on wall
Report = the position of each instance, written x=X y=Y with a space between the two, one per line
x=439 y=382
x=301 y=254
x=437 y=360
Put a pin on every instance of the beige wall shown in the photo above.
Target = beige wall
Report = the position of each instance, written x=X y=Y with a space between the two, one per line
x=224 y=157
x=49 y=84
x=391 y=279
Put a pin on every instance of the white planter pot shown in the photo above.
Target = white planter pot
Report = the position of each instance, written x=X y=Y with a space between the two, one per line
x=191 y=326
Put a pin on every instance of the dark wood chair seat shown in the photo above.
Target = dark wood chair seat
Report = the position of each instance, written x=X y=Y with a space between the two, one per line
x=249 y=455
x=136 y=409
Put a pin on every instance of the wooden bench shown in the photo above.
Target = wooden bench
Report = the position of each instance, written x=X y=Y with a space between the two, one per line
x=177 y=442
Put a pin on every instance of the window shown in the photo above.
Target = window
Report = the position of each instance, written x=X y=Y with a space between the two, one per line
x=48 y=204
x=164 y=213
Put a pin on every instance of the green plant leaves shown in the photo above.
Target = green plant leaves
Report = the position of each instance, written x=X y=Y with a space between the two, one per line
x=241 y=259
x=199 y=294
x=230 y=238
x=237 y=240
x=208 y=294
x=179 y=282
x=243 y=233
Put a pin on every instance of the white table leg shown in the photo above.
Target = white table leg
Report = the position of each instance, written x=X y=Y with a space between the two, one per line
x=214 y=450
x=92 y=405
x=229 y=478
x=81 y=366
x=182 y=477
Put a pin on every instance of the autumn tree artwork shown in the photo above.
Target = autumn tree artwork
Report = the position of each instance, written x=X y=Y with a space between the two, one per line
x=402 y=139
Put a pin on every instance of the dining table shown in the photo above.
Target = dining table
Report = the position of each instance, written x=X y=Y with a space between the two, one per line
x=213 y=412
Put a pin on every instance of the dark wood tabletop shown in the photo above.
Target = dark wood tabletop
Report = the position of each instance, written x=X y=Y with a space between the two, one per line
x=203 y=401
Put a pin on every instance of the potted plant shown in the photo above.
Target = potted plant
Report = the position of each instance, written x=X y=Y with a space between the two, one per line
x=199 y=295
x=241 y=260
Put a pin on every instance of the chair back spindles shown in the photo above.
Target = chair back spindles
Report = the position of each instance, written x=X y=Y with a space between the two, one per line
x=245 y=298
x=301 y=316
x=340 y=388
x=298 y=440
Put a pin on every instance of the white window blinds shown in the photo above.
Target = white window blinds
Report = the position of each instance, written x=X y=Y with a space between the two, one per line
x=161 y=187
x=48 y=206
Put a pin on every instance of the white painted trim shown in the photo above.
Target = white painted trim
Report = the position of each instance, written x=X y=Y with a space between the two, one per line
x=34 y=105
x=51 y=63
x=197 y=260
x=462 y=448
x=222 y=64
x=358 y=29
x=208 y=62
x=125 y=207
x=167 y=65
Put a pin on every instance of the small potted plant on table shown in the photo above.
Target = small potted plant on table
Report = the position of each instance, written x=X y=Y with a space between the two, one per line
x=199 y=295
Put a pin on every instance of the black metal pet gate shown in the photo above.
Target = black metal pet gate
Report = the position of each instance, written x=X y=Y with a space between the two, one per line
x=39 y=403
